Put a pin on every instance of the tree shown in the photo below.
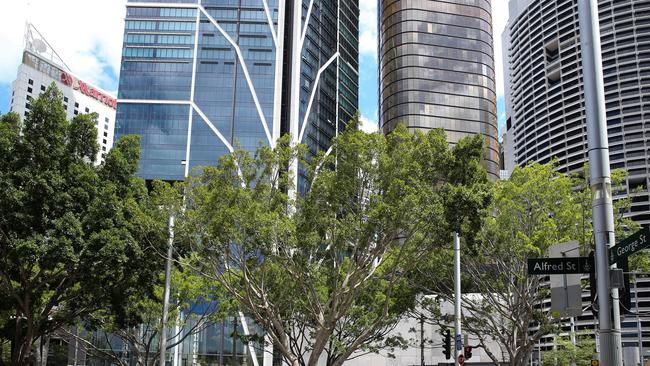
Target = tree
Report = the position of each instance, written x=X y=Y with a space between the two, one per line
x=325 y=273
x=74 y=237
x=190 y=313
x=536 y=208
x=568 y=354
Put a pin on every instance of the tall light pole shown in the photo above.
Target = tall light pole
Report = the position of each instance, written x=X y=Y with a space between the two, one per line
x=457 y=300
x=168 y=270
x=611 y=352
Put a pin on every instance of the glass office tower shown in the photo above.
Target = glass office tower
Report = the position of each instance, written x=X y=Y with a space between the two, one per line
x=436 y=70
x=200 y=77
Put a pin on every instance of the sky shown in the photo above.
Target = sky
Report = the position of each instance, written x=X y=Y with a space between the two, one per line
x=91 y=45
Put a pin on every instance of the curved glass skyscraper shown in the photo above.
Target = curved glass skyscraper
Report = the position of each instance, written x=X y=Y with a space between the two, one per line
x=436 y=69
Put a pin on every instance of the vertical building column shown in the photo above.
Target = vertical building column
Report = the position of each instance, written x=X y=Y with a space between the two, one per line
x=294 y=101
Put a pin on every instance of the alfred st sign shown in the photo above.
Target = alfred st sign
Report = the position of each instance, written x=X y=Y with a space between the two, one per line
x=574 y=265
x=552 y=266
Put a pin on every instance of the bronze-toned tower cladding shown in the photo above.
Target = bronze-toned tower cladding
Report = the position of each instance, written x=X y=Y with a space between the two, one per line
x=436 y=69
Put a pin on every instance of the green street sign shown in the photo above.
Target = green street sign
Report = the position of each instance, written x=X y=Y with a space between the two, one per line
x=630 y=245
x=565 y=265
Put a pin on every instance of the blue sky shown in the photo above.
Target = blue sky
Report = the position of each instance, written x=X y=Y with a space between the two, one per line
x=92 y=45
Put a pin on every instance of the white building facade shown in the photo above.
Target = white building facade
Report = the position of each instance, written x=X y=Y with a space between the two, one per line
x=545 y=118
x=543 y=87
x=39 y=69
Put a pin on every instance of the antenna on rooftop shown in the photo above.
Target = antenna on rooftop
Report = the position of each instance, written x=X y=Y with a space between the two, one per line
x=37 y=44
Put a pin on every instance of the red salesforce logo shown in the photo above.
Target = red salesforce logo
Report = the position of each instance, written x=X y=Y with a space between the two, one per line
x=88 y=90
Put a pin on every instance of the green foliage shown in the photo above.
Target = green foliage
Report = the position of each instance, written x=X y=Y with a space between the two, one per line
x=568 y=354
x=536 y=208
x=74 y=237
x=329 y=270
x=200 y=300
x=533 y=210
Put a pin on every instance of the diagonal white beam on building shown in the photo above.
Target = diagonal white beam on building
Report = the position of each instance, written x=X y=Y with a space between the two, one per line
x=249 y=81
x=269 y=18
x=244 y=325
x=304 y=27
x=212 y=127
x=192 y=106
x=313 y=94
x=192 y=90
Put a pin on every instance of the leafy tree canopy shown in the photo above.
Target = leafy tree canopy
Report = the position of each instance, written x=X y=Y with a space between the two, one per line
x=326 y=273
x=533 y=210
x=75 y=237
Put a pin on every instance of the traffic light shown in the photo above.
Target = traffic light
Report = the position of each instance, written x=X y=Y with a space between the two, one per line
x=446 y=344
x=468 y=352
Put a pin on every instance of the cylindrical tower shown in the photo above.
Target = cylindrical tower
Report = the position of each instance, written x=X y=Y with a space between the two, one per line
x=546 y=108
x=436 y=69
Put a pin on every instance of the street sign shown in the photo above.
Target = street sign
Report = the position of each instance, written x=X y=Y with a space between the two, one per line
x=461 y=359
x=459 y=342
x=567 y=265
x=630 y=245
x=566 y=289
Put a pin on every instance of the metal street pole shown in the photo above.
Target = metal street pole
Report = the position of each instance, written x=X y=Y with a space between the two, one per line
x=168 y=270
x=177 y=330
x=611 y=352
x=573 y=339
x=457 y=294
x=639 y=327
x=422 y=362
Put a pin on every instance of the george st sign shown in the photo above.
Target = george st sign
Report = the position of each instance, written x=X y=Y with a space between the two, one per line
x=630 y=245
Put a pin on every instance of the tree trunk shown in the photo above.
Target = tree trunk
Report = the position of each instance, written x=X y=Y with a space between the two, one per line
x=23 y=344
x=43 y=350
x=2 y=348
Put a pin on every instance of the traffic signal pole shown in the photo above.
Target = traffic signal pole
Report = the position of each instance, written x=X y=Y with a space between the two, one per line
x=611 y=352
x=457 y=294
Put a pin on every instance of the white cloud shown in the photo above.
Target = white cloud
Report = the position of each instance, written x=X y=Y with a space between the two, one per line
x=367 y=125
x=499 y=20
x=87 y=34
x=368 y=27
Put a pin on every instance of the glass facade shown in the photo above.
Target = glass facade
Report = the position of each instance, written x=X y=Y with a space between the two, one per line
x=188 y=71
x=200 y=78
x=436 y=66
x=211 y=345
x=333 y=27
